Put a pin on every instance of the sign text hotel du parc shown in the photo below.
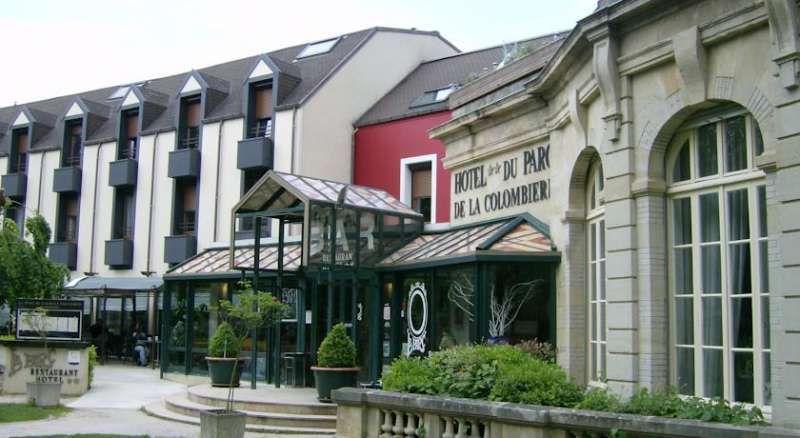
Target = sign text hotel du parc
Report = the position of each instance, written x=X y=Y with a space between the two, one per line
x=503 y=184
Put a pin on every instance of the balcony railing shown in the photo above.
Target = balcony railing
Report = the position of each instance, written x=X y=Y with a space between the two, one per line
x=186 y=227
x=72 y=161
x=129 y=149
x=261 y=128
x=189 y=143
x=21 y=164
x=123 y=232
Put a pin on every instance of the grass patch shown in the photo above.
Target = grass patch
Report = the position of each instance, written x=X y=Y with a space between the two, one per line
x=92 y=435
x=11 y=412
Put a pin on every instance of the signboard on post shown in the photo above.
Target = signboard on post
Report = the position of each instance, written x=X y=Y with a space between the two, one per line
x=61 y=319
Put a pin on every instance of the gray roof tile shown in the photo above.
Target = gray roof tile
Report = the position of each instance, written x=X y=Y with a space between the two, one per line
x=311 y=71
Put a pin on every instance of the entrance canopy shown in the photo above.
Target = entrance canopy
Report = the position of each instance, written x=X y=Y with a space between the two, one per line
x=344 y=225
x=515 y=238
x=111 y=286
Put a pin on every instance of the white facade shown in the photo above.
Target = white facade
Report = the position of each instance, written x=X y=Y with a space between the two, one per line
x=313 y=137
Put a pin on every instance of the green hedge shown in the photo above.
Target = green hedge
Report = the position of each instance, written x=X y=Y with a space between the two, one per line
x=518 y=375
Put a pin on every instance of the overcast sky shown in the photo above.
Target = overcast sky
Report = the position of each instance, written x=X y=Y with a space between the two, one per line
x=56 y=47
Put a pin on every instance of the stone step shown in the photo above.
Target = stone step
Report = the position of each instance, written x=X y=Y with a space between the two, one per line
x=160 y=410
x=182 y=405
x=259 y=402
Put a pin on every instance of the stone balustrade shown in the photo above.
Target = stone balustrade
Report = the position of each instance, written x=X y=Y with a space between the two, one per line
x=381 y=414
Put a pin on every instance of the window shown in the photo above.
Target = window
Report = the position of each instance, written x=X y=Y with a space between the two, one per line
x=433 y=96
x=68 y=219
x=190 y=121
x=124 y=212
x=73 y=141
x=260 y=110
x=719 y=287
x=185 y=208
x=19 y=151
x=421 y=189
x=129 y=137
x=596 y=291
x=246 y=223
x=317 y=48
x=119 y=93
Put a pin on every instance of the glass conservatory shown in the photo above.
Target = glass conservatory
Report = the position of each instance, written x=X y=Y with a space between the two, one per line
x=356 y=255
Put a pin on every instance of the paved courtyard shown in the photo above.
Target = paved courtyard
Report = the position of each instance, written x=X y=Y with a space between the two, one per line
x=112 y=406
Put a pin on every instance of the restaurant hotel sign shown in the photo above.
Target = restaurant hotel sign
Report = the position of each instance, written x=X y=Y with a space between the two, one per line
x=502 y=186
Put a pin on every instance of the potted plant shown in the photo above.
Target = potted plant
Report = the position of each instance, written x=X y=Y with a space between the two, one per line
x=42 y=393
x=254 y=310
x=223 y=355
x=336 y=363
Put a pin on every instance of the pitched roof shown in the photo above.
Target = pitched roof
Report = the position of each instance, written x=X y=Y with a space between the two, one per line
x=517 y=235
x=434 y=75
x=312 y=72
x=279 y=190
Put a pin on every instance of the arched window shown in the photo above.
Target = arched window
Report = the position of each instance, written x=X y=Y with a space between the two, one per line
x=717 y=230
x=596 y=257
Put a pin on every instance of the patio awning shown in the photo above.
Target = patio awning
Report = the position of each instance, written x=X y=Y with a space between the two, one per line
x=278 y=191
x=214 y=261
x=97 y=285
x=520 y=237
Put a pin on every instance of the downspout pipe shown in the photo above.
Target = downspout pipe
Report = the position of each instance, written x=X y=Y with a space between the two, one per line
x=150 y=213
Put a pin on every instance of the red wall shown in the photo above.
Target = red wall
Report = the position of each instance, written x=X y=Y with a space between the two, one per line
x=379 y=149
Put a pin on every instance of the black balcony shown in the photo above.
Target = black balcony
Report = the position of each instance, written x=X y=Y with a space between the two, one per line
x=255 y=153
x=15 y=185
x=122 y=173
x=184 y=163
x=179 y=248
x=67 y=180
x=119 y=253
x=65 y=253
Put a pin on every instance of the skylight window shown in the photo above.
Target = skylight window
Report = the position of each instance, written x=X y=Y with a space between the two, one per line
x=119 y=93
x=433 y=96
x=317 y=48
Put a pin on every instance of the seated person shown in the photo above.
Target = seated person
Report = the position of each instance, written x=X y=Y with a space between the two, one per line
x=140 y=350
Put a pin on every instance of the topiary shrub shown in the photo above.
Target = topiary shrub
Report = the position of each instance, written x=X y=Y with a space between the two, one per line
x=337 y=350
x=92 y=353
x=224 y=342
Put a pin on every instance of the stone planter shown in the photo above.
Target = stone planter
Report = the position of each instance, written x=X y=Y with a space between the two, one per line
x=220 y=370
x=44 y=395
x=219 y=423
x=329 y=379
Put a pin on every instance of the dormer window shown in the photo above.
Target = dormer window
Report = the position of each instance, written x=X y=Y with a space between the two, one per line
x=129 y=137
x=73 y=142
x=260 y=110
x=433 y=96
x=18 y=162
x=190 y=123
x=318 y=48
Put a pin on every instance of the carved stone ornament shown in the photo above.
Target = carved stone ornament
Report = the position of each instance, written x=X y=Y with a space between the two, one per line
x=784 y=28
x=607 y=74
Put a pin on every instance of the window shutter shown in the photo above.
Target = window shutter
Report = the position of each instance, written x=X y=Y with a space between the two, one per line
x=22 y=143
x=193 y=114
x=421 y=183
x=263 y=103
x=189 y=197
x=132 y=121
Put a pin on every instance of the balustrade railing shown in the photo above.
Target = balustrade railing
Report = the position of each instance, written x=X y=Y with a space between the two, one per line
x=380 y=414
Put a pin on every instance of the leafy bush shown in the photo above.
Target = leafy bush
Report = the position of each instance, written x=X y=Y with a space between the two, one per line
x=670 y=404
x=514 y=374
x=538 y=383
x=411 y=374
x=224 y=342
x=92 y=352
x=597 y=399
x=540 y=350
x=337 y=350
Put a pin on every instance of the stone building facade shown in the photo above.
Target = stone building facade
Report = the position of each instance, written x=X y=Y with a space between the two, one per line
x=659 y=142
